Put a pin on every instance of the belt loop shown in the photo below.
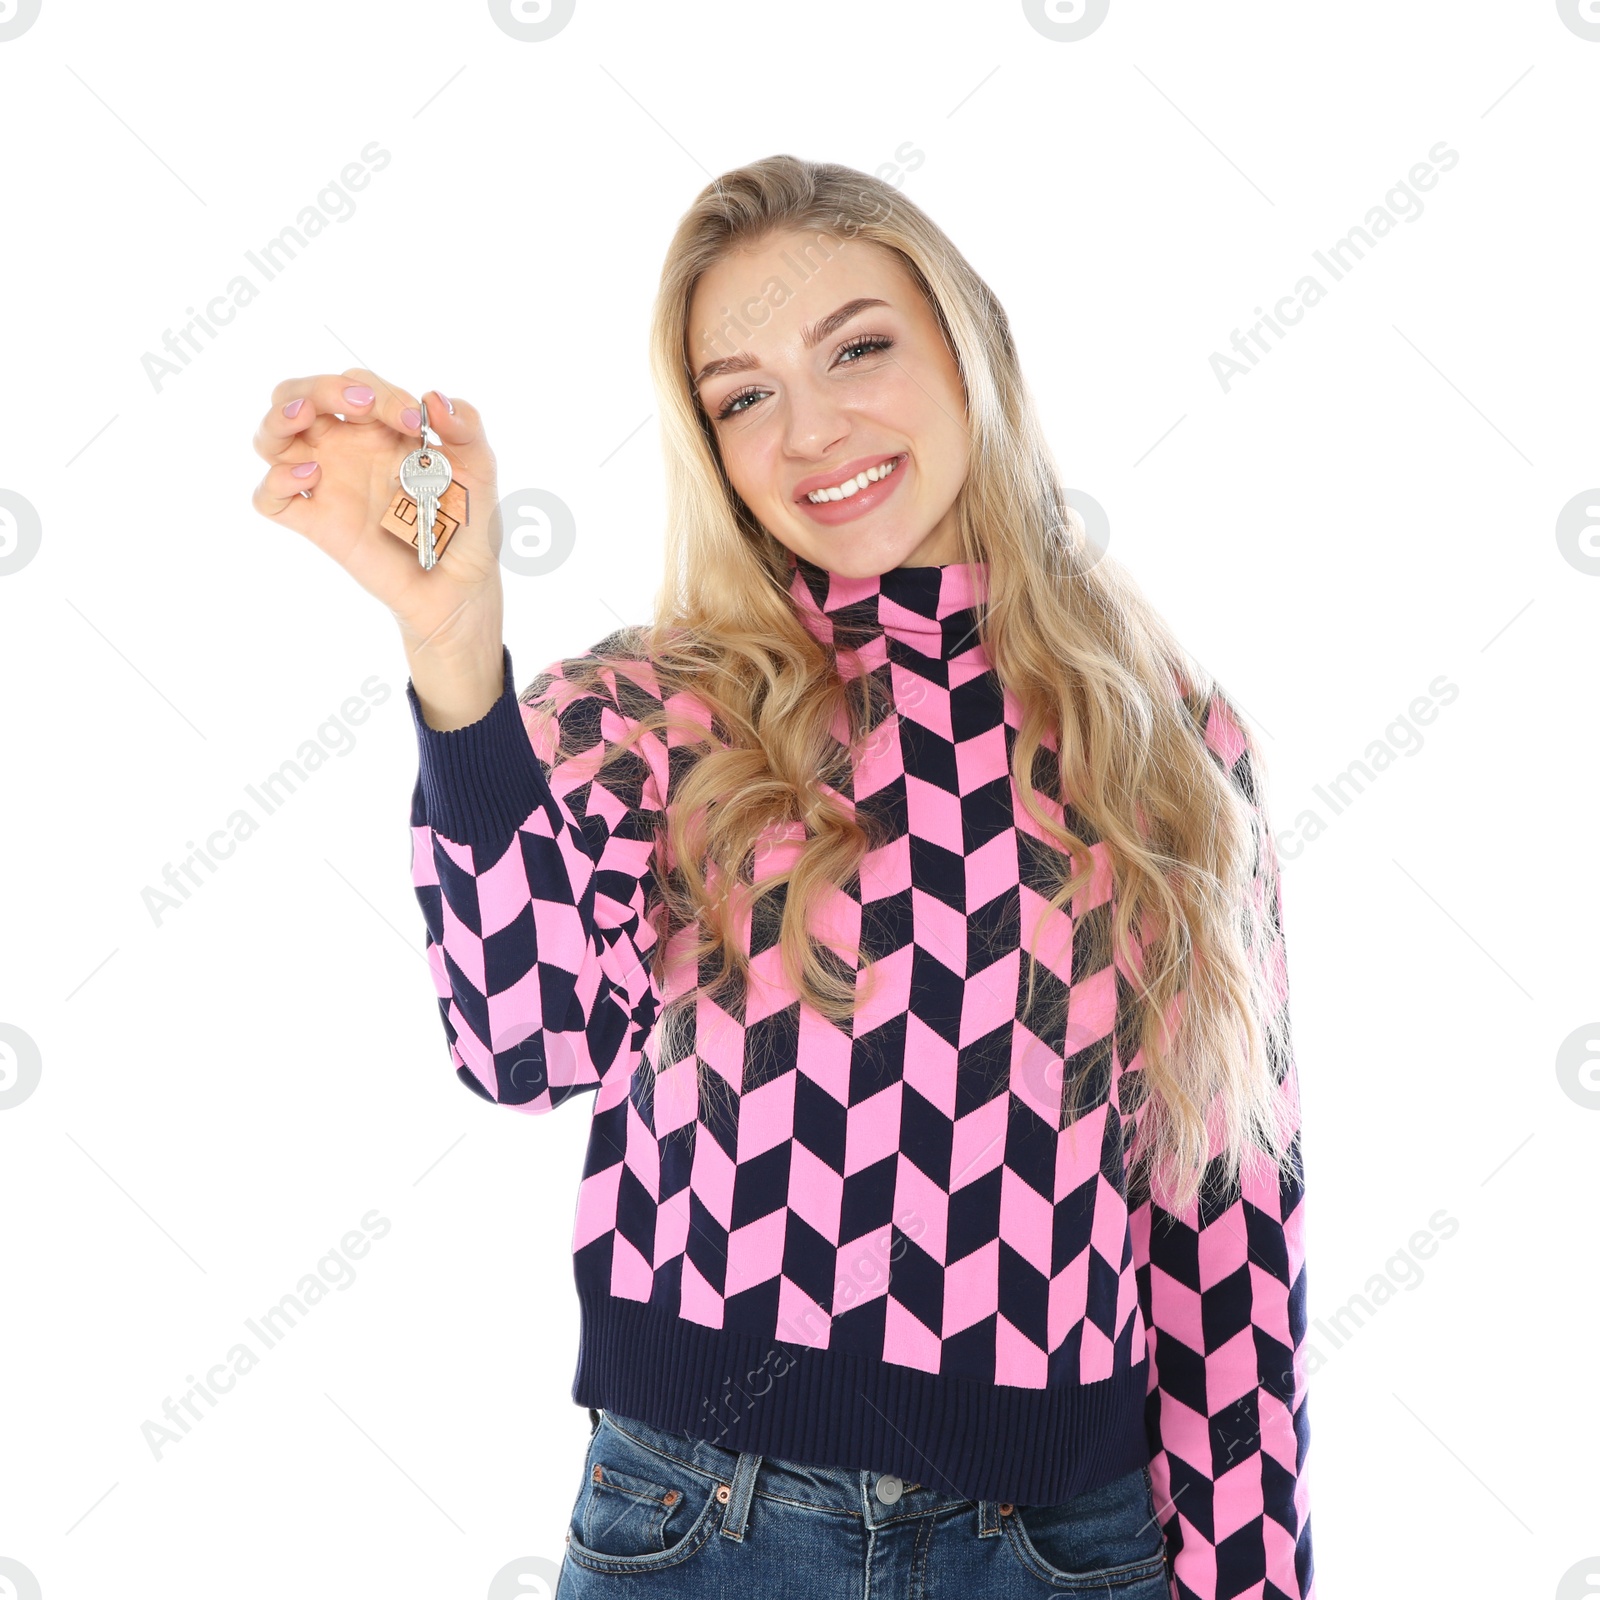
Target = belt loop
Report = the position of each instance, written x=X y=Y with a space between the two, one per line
x=737 y=1506
x=988 y=1519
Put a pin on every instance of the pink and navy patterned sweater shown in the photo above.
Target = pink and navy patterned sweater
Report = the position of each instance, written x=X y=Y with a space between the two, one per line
x=882 y=1249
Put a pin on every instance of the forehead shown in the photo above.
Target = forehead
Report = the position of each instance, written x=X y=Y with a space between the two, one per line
x=759 y=295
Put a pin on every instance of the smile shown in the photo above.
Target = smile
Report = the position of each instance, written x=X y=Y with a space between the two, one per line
x=856 y=496
x=855 y=484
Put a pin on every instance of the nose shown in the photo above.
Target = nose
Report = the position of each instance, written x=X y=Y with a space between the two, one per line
x=814 y=423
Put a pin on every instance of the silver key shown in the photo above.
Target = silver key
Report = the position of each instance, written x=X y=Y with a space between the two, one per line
x=425 y=474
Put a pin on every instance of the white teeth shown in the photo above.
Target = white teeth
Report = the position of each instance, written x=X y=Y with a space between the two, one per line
x=850 y=486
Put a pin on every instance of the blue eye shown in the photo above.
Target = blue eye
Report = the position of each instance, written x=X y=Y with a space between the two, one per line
x=733 y=406
x=730 y=407
x=876 y=341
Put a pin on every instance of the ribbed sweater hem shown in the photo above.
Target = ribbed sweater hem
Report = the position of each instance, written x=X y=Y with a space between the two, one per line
x=833 y=1408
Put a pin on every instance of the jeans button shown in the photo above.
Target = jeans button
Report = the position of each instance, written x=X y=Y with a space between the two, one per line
x=888 y=1488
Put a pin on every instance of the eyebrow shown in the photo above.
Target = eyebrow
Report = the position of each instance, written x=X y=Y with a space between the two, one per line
x=814 y=335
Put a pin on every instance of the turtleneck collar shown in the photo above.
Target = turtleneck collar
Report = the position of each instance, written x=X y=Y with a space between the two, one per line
x=932 y=610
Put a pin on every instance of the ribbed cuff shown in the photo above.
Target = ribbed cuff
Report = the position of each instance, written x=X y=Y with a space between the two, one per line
x=480 y=782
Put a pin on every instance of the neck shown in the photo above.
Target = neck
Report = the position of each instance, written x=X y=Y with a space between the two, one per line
x=932 y=610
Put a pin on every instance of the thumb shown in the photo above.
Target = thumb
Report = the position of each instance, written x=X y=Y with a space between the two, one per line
x=459 y=425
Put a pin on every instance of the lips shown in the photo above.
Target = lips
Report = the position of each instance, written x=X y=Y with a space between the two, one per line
x=829 y=480
x=858 y=503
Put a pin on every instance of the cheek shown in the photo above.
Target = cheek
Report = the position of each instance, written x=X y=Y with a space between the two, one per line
x=916 y=403
x=749 y=462
x=934 y=418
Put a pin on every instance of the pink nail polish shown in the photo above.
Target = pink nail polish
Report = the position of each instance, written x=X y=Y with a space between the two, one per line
x=293 y=407
x=358 y=394
x=449 y=404
x=304 y=470
x=411 y=417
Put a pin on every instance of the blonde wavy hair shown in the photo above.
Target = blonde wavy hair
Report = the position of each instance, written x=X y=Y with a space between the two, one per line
x=1065 y=629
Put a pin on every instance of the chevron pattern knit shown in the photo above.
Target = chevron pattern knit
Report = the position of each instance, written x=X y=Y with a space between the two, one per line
x=887 y=1246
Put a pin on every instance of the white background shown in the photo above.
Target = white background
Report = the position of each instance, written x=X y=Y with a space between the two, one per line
x=225 y=1094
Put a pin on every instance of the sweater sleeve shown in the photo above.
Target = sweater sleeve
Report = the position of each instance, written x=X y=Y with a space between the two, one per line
x=535 y=879
x=1222 y=1286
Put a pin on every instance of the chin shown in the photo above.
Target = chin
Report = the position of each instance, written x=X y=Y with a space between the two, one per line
x=860 y=552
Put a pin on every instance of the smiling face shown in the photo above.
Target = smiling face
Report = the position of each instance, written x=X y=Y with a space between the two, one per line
x=839 y=381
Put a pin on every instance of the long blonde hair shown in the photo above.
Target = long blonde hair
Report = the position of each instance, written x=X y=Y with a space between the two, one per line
x=1092 y=667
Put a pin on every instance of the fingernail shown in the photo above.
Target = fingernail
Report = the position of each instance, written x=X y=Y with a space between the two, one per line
x=411 y=417
x=304 y=470
x=448 y=403
x=293 y=407
x=358 y=394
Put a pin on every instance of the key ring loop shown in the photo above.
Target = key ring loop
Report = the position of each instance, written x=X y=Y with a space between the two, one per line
x=430 y=439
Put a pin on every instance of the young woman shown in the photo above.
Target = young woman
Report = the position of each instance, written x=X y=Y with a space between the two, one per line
x=904 y=897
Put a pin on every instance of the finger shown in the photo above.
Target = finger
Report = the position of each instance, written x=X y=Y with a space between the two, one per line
x=358 y=396
x=459 y=425
x=283 y=486
x=388 y=407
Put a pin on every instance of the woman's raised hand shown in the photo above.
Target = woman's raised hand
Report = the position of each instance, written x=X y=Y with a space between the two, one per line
x=352 y=430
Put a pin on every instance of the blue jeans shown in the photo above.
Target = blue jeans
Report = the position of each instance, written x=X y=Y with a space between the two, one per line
x=660 y=1515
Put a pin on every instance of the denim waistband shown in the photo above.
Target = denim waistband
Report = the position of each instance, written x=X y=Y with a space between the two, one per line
x=865 y=1491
